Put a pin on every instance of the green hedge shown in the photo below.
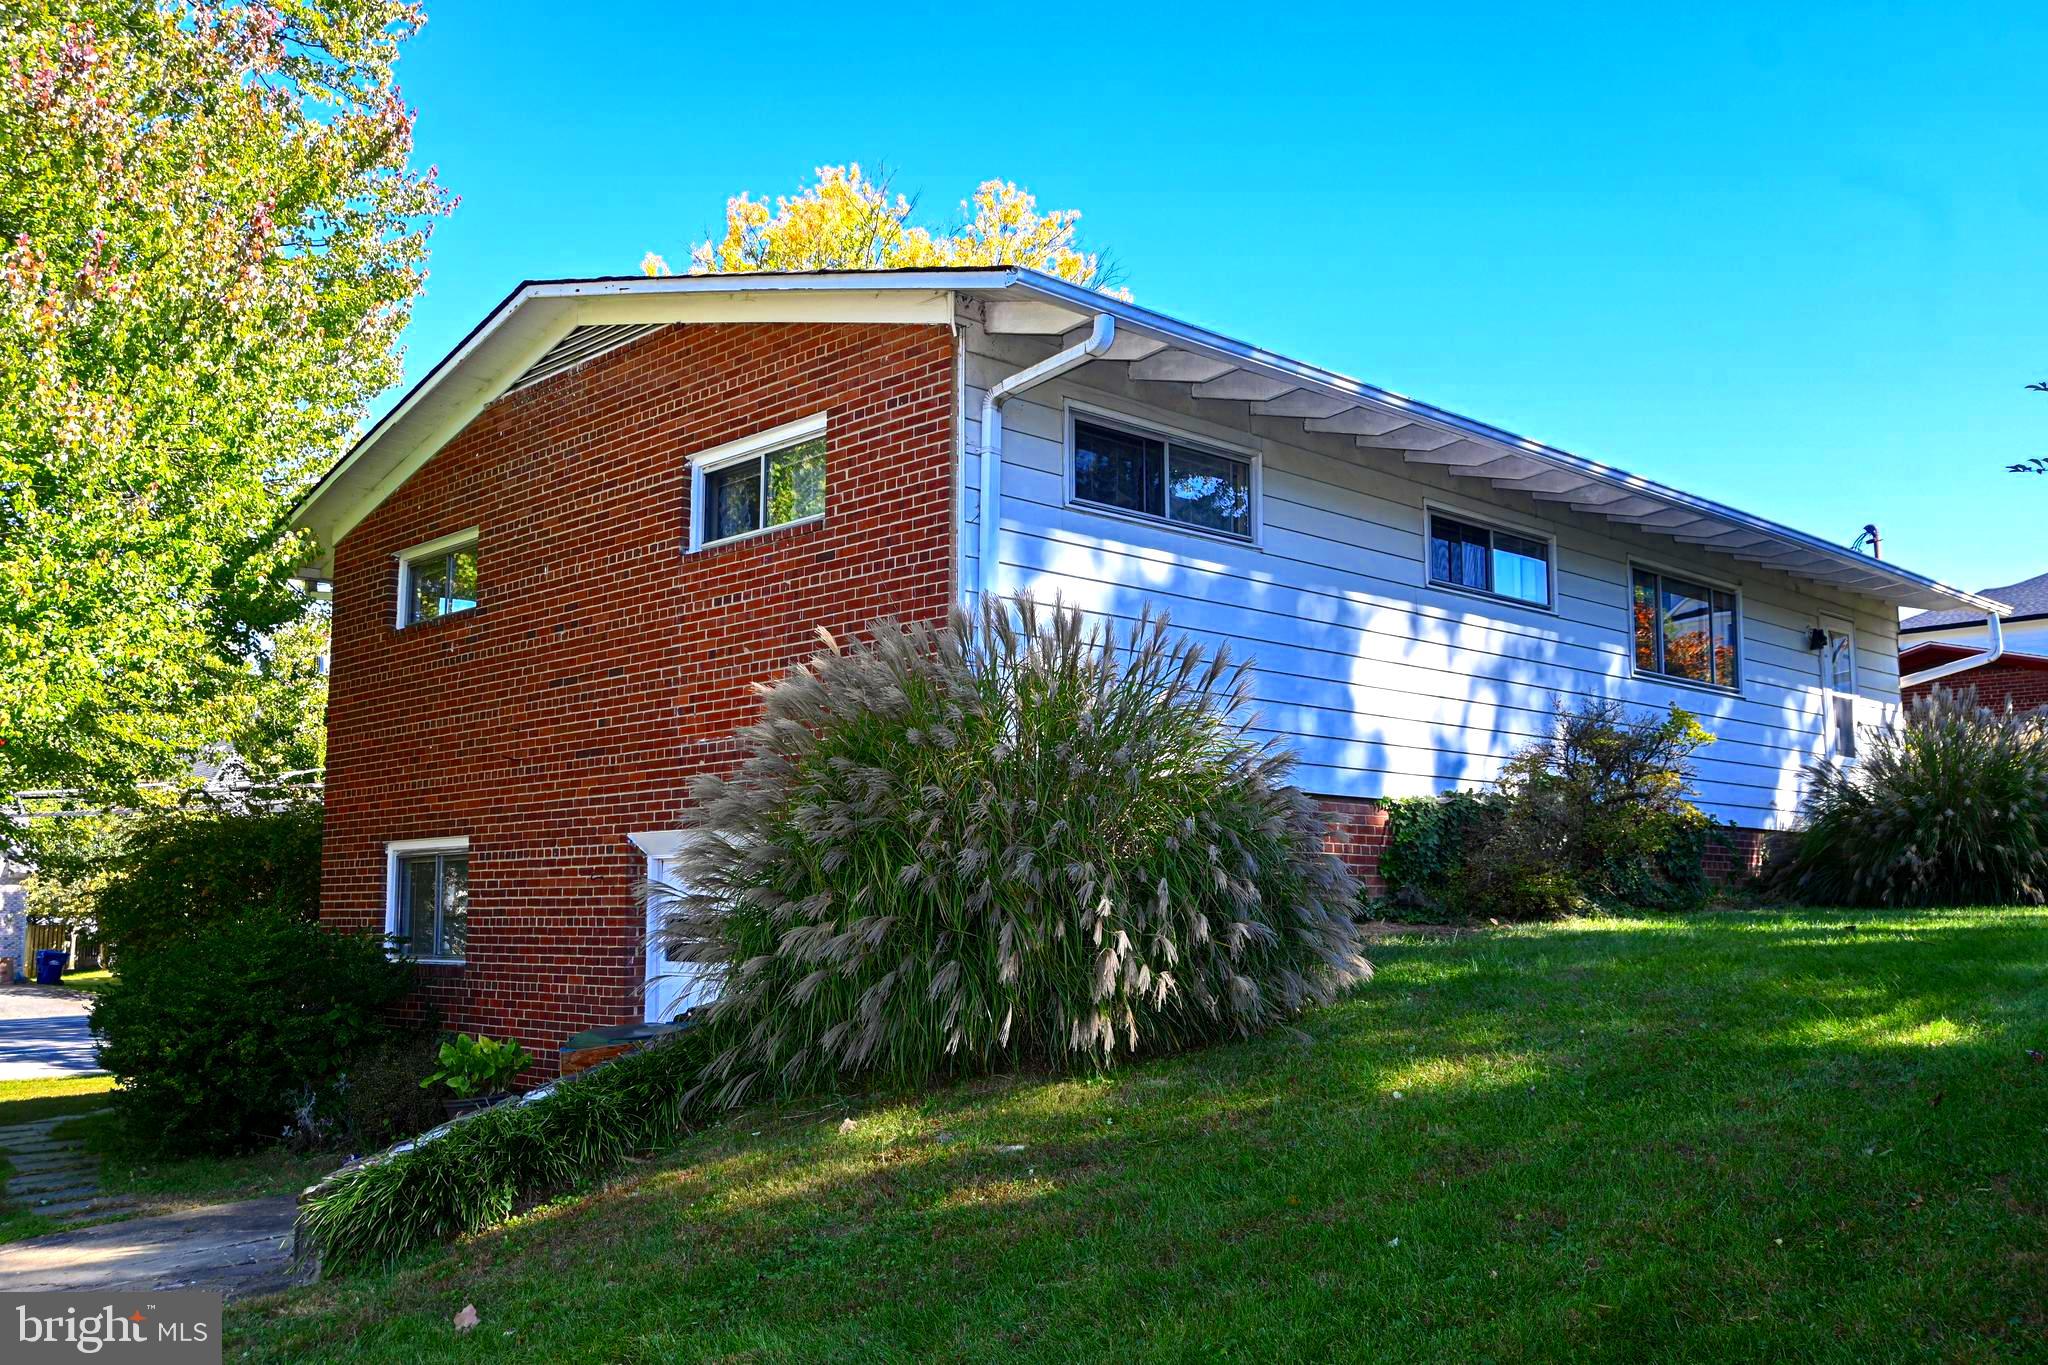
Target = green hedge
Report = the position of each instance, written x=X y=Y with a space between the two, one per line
x=185 y=872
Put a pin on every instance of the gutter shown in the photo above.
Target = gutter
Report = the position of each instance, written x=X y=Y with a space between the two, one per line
x=1955 y=666
x=1101 y=335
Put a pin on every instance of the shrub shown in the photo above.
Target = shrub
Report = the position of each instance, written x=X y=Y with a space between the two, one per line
x=1599 y=808
x=380 y=1096
x=184 y=872
x=1040 y=842
x=220 y=1040
x=1949 y=807
x=1429 y=839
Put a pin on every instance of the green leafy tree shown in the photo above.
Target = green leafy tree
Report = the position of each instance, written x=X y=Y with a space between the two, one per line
x=210 y=238
x=845 y=220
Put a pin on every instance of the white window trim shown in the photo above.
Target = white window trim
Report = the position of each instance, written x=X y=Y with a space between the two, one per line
x=441 y=545
x=395 y=854
x=1146 y=426
x=1664 y=570
x=736 y=452
x=1492 y=521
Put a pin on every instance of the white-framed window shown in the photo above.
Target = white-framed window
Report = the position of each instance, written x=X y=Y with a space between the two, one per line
x=1838 y=687
x=1685 y=629
x=1474 y=555
x=759 y=483
x=1138 y=469
x=426 y=899
x=437 y=579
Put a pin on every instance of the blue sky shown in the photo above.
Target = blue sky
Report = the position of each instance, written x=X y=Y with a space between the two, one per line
x=1789 y=257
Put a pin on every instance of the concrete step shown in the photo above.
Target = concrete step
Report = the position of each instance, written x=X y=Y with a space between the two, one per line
x=35 y=1187
x=90 y=1204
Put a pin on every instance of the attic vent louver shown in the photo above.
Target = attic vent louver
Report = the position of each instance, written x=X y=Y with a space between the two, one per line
x=583 y=343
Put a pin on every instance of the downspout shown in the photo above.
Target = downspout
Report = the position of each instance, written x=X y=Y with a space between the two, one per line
x=1100 y=337
x=1955 y=666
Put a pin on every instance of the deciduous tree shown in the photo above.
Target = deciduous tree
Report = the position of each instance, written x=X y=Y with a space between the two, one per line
x=210 y=238
x=846 y=221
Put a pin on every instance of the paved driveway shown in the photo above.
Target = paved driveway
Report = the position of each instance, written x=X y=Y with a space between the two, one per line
x=43 y=1033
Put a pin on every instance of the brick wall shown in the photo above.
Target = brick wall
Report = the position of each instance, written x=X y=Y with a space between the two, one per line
x=2024 y=686
x=1356 y=831
x=603 y=665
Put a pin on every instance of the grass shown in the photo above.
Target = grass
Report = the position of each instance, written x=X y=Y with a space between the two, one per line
x=88 y=983
x=1805 y=1136
x=28 y=1101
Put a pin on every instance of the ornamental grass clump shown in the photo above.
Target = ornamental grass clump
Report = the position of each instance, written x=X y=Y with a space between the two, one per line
x=1025 y=840
x=1947 y=807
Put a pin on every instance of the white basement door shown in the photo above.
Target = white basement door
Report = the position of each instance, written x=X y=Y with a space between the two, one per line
x=672 y=987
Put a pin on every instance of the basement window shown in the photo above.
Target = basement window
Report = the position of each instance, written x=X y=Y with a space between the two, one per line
x=426 y=915
x=776 y=478
x=1686 y=630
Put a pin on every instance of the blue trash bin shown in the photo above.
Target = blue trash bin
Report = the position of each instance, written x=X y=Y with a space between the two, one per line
x=50 y=966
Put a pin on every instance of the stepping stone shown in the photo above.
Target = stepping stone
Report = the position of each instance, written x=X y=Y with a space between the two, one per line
x=91 y=1204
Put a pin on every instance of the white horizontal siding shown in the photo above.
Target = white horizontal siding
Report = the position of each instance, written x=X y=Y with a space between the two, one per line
x=1383 y=685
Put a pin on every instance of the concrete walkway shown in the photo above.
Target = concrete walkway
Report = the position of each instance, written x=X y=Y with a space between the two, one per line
x=43 y=1033
x=238 y=1249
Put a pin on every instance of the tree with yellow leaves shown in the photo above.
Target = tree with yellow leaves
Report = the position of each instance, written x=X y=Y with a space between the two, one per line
x=846 y=221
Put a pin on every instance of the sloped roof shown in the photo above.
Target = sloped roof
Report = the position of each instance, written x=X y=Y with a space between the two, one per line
x=541 y=320
x=2028 y=599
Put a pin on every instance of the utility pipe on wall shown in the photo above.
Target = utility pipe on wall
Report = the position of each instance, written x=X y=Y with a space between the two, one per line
x=1955 y=666
x=1100 y=337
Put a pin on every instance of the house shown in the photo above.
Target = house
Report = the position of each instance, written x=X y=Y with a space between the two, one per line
x=560 y=564
x=1933 y=640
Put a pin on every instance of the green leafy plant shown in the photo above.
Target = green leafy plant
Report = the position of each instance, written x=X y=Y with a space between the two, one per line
x=222 y=1040
x=472 y=1066
x=380 y=1096
x=1948 y=807
x=1428 y=839
x=479 y=1171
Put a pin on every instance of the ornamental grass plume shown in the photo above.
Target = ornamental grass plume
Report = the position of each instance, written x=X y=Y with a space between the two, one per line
x=1947 y=807
x=1026 y=839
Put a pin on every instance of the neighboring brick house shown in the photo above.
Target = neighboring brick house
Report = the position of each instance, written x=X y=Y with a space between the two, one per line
x=561 y=563
x=2019 y=677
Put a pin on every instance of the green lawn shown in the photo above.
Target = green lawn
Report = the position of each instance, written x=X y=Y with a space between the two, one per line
x=89 y=983
x=160 y=1183
x=27 y=1101
x=1798 y=1137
